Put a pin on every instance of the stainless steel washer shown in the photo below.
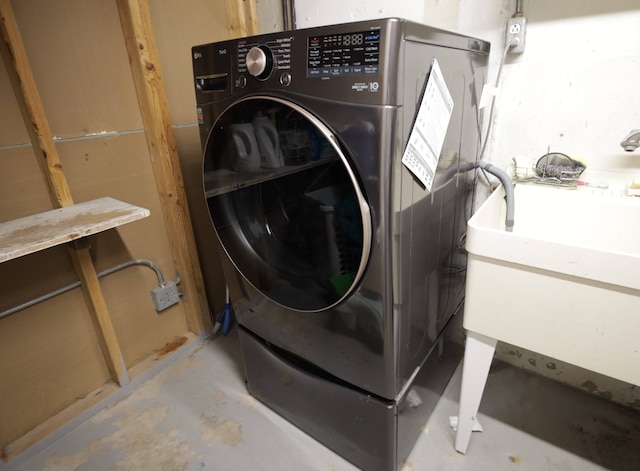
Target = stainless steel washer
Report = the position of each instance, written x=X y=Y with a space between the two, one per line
x=348 y=273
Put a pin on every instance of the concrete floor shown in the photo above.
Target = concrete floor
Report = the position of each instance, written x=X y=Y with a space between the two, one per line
x=195 y=414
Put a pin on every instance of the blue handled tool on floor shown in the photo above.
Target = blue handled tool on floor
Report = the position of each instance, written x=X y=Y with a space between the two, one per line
x=224 y=318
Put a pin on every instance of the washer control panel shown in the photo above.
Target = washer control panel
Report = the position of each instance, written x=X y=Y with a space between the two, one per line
x=331 y=55
x=348 y=62
x=343 y=54
x=261 y=60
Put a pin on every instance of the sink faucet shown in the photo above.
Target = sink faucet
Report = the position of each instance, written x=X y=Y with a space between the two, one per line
x=632 y=141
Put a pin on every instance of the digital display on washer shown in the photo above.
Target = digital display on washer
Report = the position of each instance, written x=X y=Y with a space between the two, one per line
x=343 y=54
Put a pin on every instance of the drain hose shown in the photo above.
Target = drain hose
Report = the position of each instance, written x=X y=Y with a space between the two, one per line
x=507 y=184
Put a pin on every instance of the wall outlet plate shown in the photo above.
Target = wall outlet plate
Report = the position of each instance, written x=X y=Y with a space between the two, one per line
x=516 y=33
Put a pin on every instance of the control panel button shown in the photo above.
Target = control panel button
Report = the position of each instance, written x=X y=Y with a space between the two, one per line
x=241 y=81
x=285 y=79
x=260 y=62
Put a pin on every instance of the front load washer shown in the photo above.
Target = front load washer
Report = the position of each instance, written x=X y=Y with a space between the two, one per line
x=346 y=272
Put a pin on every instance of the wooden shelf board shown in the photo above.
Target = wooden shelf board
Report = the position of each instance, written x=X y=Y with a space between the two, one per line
x=44 y=230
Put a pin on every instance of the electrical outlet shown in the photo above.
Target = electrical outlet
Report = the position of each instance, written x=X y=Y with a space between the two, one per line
x=165 y=296
x=516 y=32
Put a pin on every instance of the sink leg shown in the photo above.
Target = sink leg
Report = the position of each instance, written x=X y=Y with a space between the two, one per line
x=478 y=355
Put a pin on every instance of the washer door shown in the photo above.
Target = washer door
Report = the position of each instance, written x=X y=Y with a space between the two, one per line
x=286 y=203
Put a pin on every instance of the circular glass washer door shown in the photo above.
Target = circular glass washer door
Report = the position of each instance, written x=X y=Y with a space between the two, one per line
x=286 y=203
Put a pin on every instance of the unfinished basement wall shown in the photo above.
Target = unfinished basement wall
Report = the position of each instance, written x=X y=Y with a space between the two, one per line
x=50 y=357
x=176 y=34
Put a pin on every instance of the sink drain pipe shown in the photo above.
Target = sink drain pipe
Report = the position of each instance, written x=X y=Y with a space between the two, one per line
x=507 y=184
x=64 y=289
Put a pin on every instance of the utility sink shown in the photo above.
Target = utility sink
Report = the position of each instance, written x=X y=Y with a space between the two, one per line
x=565 y=283
x=579 y=232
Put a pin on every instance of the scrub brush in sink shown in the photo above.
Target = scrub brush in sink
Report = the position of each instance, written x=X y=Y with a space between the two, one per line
x=559 y=166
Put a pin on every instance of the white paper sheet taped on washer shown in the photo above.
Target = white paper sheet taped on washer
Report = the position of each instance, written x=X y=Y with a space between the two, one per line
x=427 y=135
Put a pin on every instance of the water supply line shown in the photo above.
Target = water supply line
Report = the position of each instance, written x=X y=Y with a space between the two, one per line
x=77 y=284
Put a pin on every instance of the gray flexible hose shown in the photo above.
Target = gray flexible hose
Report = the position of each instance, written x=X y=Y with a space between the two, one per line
x=505 y=179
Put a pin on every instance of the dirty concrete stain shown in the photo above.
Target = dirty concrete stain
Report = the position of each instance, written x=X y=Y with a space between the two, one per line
x=593 y=389
x=228 y=432
x=406 y=466
x=152 y=388
x=142 y=418
x=605 y=395
x=147 y=445
x=183 y=366
x=551 y=365
x=58 y=462
x=635 y=404
x=532 y=362
x=153 y=450
x=589 y=386
x=515 y=459
x=250 y=401
x=220 y=398
x=171 y=346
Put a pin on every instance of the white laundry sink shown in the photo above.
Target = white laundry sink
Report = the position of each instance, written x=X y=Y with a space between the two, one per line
x=565 y=282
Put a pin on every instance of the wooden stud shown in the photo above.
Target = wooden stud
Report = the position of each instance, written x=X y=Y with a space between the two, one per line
x=28 y=98
x=100 y=314
x=251 y=17
x=136 y=24
x=242 y=17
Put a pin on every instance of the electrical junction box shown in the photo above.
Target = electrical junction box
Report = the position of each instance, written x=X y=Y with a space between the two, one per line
x=165 y=296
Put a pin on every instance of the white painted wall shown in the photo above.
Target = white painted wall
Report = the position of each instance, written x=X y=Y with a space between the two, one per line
x=440 y=13
x=575 y=90
x=314 y=13
x=270 y=17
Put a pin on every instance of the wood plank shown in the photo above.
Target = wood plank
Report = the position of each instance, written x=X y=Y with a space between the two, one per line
x=100 y=314
x=242 y=17
x=236 y=19
x=147 y=76
x=251 y=17
x=28 y=98
x=44 y=230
